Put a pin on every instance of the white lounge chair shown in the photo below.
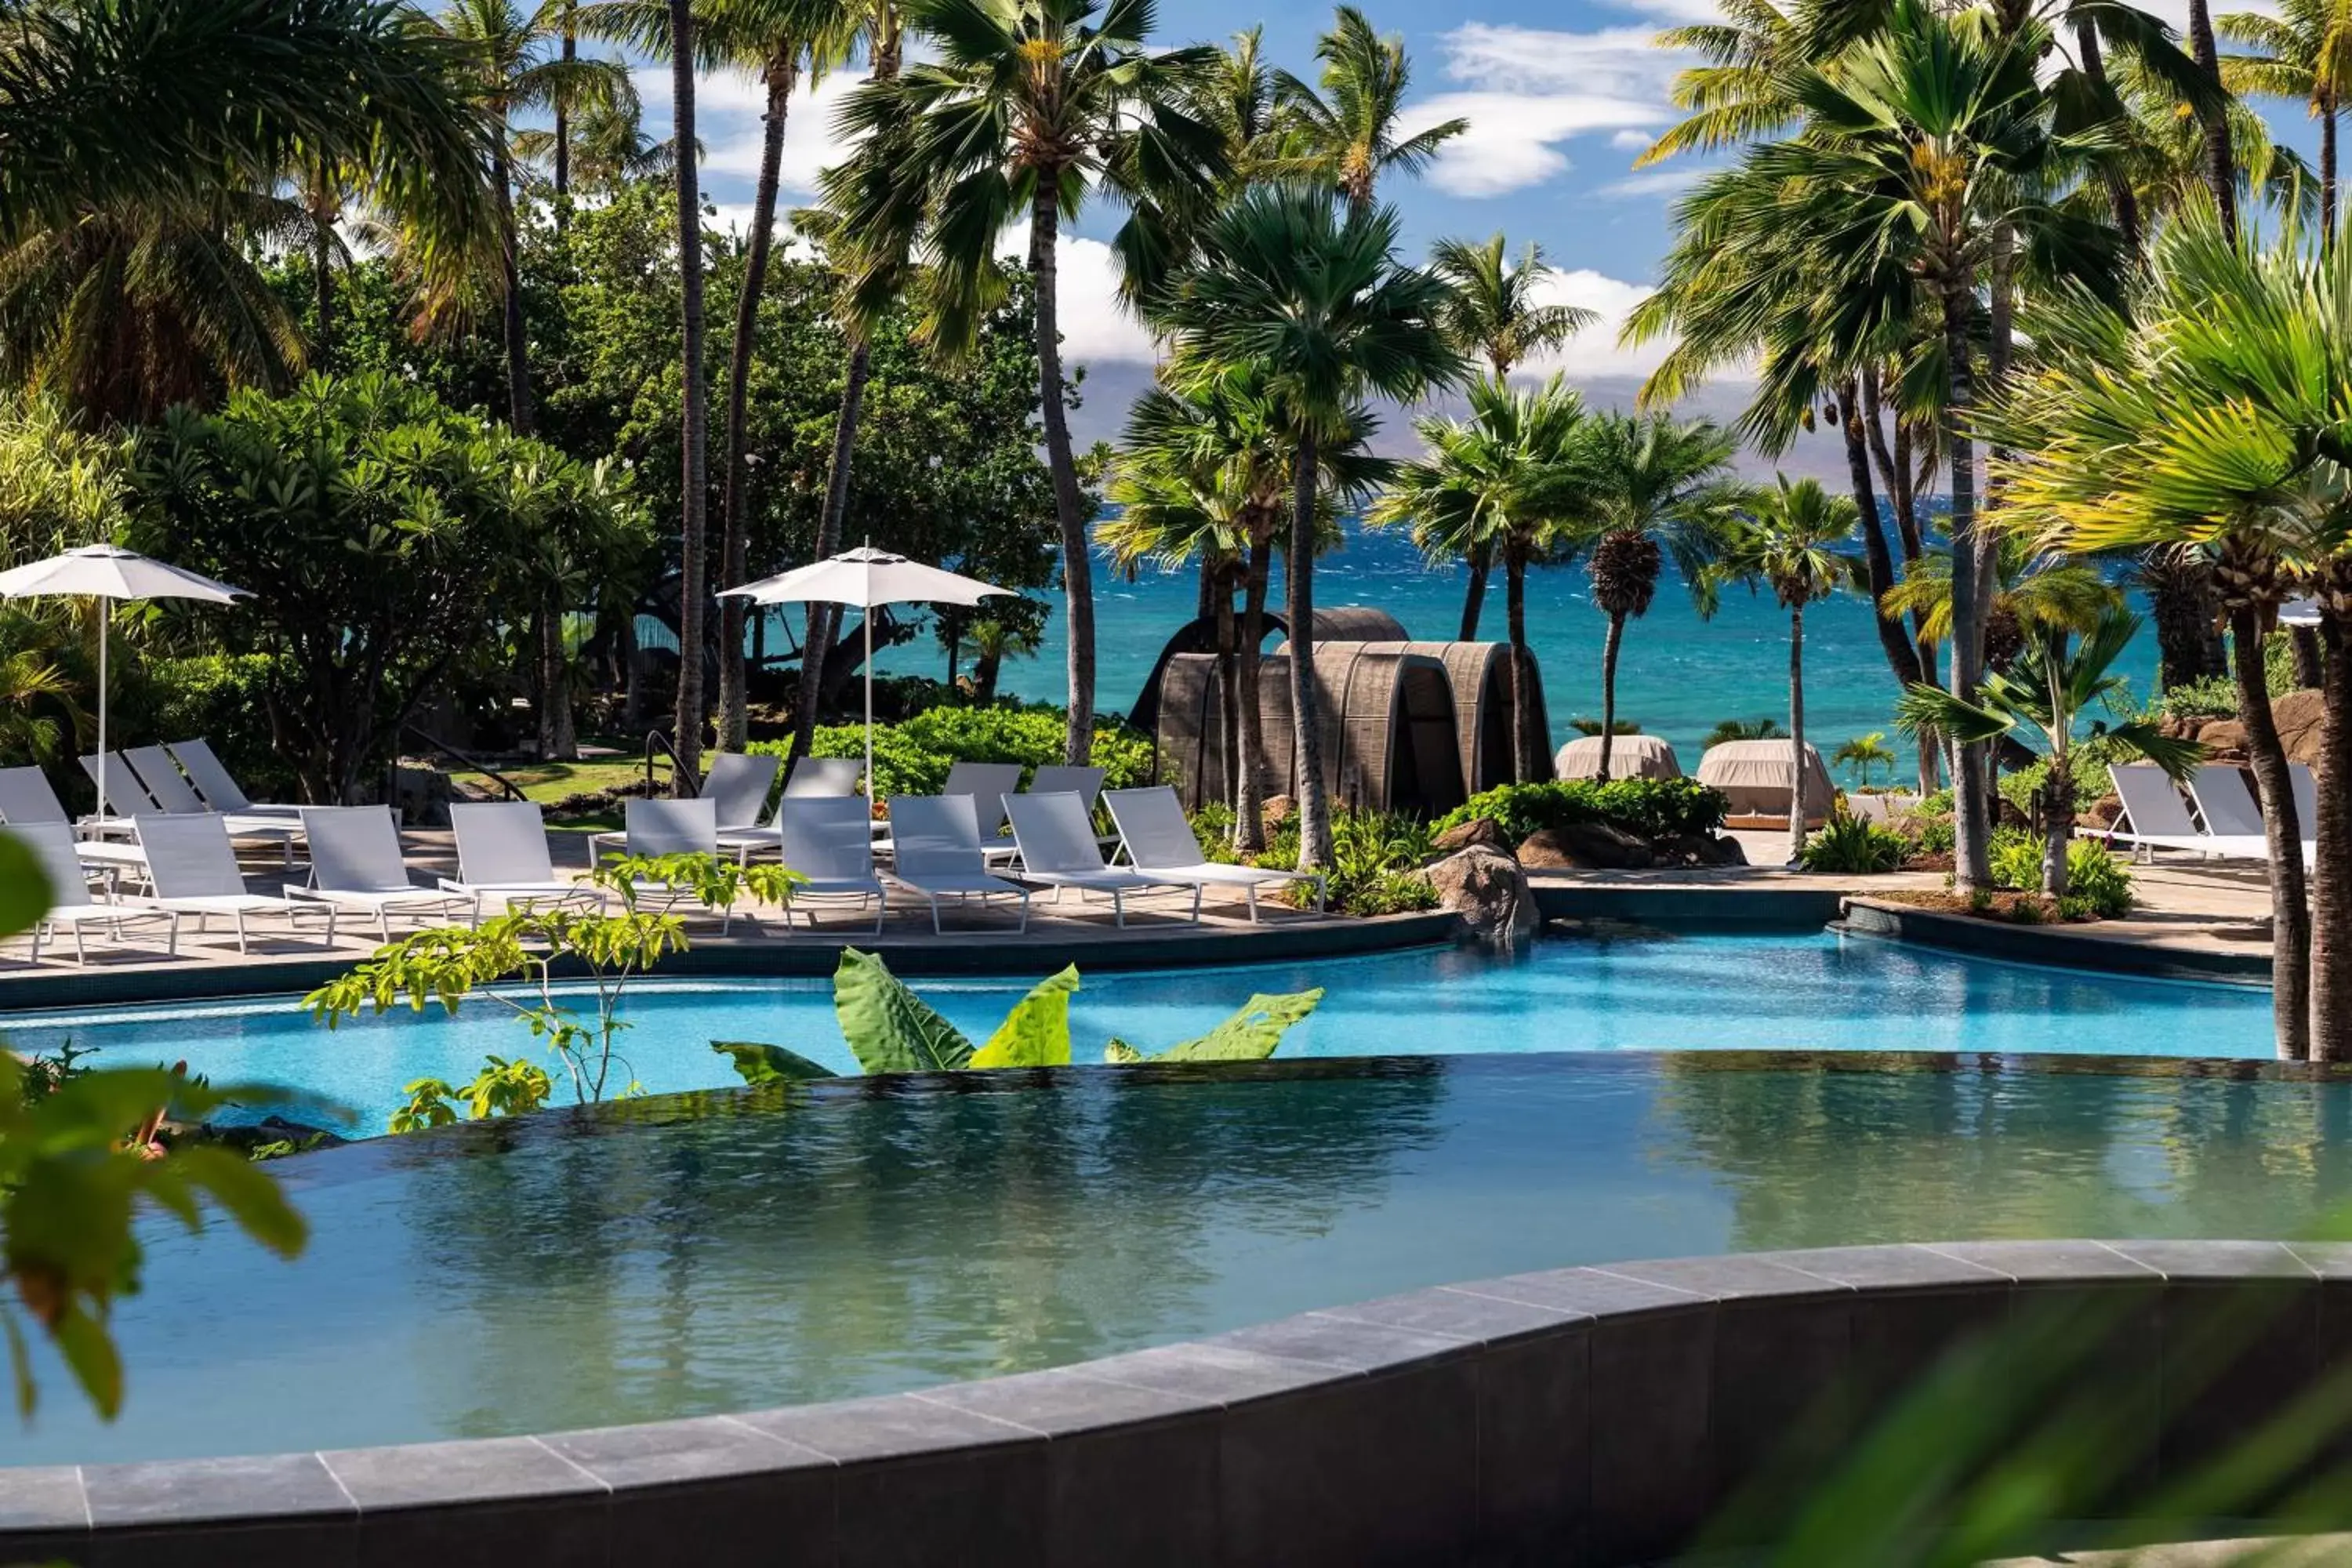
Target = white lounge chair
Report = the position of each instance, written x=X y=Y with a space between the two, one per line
x=2224 y=801
x=1160 y=842
x=824 y=838
x=737 y=786
x=988 y=784
x=936 y=839
x=502 y=855
x=70 y=905
x=1062 y=778
x=124 y=796
x=356 y=865
x=2159 y=819
x=194 y=871
x=26 y=799
x=221 y=792
x=655 y=827
x=2306 y=800
x=1058 y=849
x=160 y=779
x=819 y=776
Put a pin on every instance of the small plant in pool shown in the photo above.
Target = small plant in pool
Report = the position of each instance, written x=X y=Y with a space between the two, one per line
x=890 y=1029
x=545 y=949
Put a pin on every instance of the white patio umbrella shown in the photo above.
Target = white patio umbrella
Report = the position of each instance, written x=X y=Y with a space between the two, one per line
x=867 y=577
x=108 y=571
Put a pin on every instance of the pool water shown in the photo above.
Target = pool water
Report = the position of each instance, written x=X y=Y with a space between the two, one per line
x=1813 y=991
x=673 y=1257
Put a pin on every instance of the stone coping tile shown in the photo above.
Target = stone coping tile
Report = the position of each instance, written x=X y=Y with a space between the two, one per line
x=1591 y=1292
x=1224 y=1375
x=892 y=1425
x=1733 y=1277
x=1060 y=1402
x=1898 y=1266
x=466 y=1471
x=1343 y=1343
x=43 y=1496
x=2050 y=1262
x=1460 y=1314
x=249 y=1487
x=2327 y=1259
x=2222 y=1260
x=660 y=1452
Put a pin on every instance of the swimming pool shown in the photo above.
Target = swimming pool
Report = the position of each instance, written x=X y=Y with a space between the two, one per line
x=740 y=1250
x=1810 y=991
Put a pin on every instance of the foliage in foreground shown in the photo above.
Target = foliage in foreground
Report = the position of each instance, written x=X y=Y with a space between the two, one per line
x=1374 y=858
x=2098 y=886
x=913 y=757
x=1849 y=845
x=1653 y=808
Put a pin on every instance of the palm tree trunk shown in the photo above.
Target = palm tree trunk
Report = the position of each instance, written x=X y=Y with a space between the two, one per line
x=2220 y=165
x=1069 y=505
x=519 y=413
x=1795 y=733
x=816 y=639
x=1229 y=725
x=2058 y=821
x=2328 y=178
x=1249 y=794
x=2120 y=199
x=2282 y=836
x=2331 y=901
x=1894 y=464
x=1515 y=604
x=734 y=720
x=1474 y=598
x=1971 y=825
x=1902 y=658
x=322 y=266
x=559 y=738
x=694 y=480
x=2310 y=668
x=1298 y=573
x=563 y=127
x=1609 y=647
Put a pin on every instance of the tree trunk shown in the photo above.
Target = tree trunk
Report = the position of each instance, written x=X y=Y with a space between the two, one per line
x=734 y=718
x=1298 y=574
x=1474 y=598
x=1894 y=467
x=816 y=638
x=1609 y=647
x=1515 y=605
x=2309 y=666
x=1229 y=726
x=2282 y=836
x=1069 y=505
x=2220 y=165
x=559 y=739
x=2121 y=202
x=2328 y=178
x=322 y=266
x=2058 y=823
x=563 y=127
x=1795 y=733
x=1902 y=658
x=693 y=588
x=985 y=669
x=1971 y=823
x=2331 y=902
x=1249 y=795
x=519 y=412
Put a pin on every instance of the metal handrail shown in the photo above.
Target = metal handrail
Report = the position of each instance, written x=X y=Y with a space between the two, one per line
x=658 y=741
x=471 y=764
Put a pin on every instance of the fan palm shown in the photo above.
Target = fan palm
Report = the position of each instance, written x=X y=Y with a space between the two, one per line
x=1661 y=488
x=1316 y=311
x=1865 y=754
x=2211 y=418
x=2304 y=53
x=1505 y=483
x=1032 y=105
x=2035 y=592
x=1790 y=539
x=1345 y=137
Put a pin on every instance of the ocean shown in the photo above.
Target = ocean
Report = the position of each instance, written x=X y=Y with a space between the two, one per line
x=1677 y=675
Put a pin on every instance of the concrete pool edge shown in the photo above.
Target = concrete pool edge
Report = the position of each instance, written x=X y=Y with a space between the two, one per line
x=2049 y=946
x=1598 y=1416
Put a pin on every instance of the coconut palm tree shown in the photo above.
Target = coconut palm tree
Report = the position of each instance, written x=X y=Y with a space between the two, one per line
x=1317 y=308
x=1789 y=538
x=694 y=488
x=1661 y=489
x=2302 y=53
x=2208 y=417
x=1345 y=137
x=1865 y=754
x=1031 y=106
x=1505 y=484
x=1493 y=315
x=2035 y=592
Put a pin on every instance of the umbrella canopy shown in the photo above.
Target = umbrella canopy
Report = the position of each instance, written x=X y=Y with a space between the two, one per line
x=108 y=572
x=1630 y=757
x=867 y=577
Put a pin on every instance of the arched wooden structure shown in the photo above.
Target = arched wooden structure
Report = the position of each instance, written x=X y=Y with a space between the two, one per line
x=1356 y=622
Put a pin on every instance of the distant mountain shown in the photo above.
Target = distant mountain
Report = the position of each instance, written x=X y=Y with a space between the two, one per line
x=1111 y=385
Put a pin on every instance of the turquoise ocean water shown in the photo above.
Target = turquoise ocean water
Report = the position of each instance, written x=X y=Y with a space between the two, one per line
x=1678 y=677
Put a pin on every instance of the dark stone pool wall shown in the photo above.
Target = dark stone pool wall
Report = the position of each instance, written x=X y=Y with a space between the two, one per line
x=1598 y=1417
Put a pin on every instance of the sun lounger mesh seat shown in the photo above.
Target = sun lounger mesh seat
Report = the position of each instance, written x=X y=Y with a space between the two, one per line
x=194 y=871
x=2159 y=820
x=502 y=855
x=356 y=864
x=221 y=792
x=824 y=838
x=936 y=853
x=71 y=906
x=1058 y=850
x=1158 y=841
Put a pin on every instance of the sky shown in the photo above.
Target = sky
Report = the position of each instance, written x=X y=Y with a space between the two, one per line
x=1562 y=98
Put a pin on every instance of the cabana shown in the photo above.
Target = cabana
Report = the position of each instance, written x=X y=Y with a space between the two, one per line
x=1630 y=757
x=1754 y=775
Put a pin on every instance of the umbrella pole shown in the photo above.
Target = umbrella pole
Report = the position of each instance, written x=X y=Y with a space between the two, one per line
x=103 y=618
x=869 y=705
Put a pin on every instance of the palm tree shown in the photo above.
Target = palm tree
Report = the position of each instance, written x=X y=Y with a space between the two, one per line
x=1031 y=104
x=1661 y=488
x=515 y=64
x=1317 y=309
x=1865 y=754
x=1789 y=539
x=1492 y=314
x=2056 y=682
x=1505 y=483
x=2208 y=418
x=2035 y=592
x=2302 y=53
x=694 y=489
x=1345 y=137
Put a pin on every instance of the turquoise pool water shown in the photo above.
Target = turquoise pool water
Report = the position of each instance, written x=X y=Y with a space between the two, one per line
x=1815 y=991
x=669 y=1257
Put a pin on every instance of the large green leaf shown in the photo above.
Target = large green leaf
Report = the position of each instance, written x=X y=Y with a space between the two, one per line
x=1251 y=1035
x=888 y=1026
x=758 y=1064
x=25 y=890
x=1036 y=1032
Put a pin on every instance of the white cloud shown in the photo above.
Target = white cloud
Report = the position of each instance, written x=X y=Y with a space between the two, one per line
x=729 y=107
x=1526 y=89
x=1631 y=141
x=1650 y=183
x=1594 y=351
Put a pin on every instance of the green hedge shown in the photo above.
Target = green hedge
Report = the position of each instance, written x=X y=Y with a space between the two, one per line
x=913 y=757
x=219 y=697
x=1654 y=809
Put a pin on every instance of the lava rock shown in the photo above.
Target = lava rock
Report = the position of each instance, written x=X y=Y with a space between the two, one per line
x=1489 y=892
x=1586 y=845
x=1478 y=830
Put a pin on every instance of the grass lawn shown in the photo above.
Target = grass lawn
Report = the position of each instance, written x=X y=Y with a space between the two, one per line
x=548 y=783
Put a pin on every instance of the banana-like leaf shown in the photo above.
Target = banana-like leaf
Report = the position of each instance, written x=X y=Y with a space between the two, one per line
x=24 y=887
x=888 y=1026
x=757 y=1064
x=1036 y=1032
x=1251 y=1035
x=1118 y=1053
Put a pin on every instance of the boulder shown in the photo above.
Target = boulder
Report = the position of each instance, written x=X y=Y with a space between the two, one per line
x=1727 y=851
x=2224 y=738
x=2297 y=715
x=1702 y=850
x=1489 y=892
x=1580 y=845
x=421 y=796
x=1277 y=810
x=2102 y=812
x=1479 y=830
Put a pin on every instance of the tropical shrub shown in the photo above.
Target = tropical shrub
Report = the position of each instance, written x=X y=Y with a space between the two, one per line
x=1653 y=808
x=913 y=756
x=2097 y=882
x=2215 y=697
x=224 y=696
x=1849 y=845
x=2016 y=857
